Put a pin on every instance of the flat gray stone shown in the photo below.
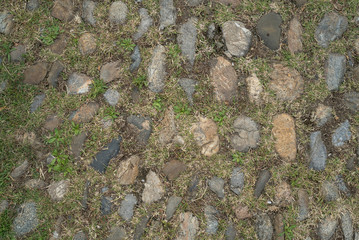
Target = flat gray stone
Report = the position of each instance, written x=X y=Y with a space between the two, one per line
x=58 y=190
x=351 y=101
x=17 y=54
x=145 y=24
x=318 y=152
x=143 y=127
x=80 y=236
x=342 y=134
x=231 y=232
x=216 y=184
x=37 y=102
x=261 y=182
x=347 y=225
x=303 y=205
x=187 y=38
x=118 y=12
x=136 y=59
x=246 y=134
x=264 y=227
x=237 y=180
x=189 y=86
x=330 y=191
x=117 y=233
x=212 y=223
x=168 y=13
x=127 y=206
x=6 y=22
x=3 y=206
x=78 y=83
x=35 y=184
x=32 y=5
x=154 y=189
x=20 y=170
x=54 y=74
x=140 y=228
x=26 y=219
x=88 y=7
x=268 y=28
x=211 y=32
x=156 y=72
x=194 y=3
x=326 y=228
x=237 y=37
x=335 y=70
x=172 y=205
x=342 y=186
x=112 y=97
x=106 y=205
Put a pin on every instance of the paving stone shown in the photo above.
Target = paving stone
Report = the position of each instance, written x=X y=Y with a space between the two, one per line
x=26 y=219
x=194 y=3
x=172 y=205
x=173 y=169
x=112 y=96
x=246 y=134
x=188 y=85
x=188 y=226
x=242 y=211
x=224 y=80
x=237 y=180
x=63 y=10
x=142 y=126
x=35 y=73
x=127 y=172
x=326 y=228
x=58 y=190
x=211 y=32
x=20 y=170
x=84 y=202
x=168 y=13
x=118 y=12
x=17 y=54
x=117 y=233
x=186 y=39
x=285 y=136
x=145 y=24
x=87 y=44
x=351 y=101
x=279 y=227
x=264 y=227
x=35 y=184
x=156 y=72
x=261 y=182
x=286 y=82
x=330 y=191
x=37 y=102
x=80 y=236
x=295 y=32
x=85 y=113
x=54 y=74
x=106 y=205
x=268 y=28
x=103 y=157
x=32 y=5
x=136 y=59
x=231 y=232
x=154 y=189
x=168 y=127
x=318 y=152
x=212 y=223
x=254 y=89
x=127 y=206
x=193 y=186
x=237 y=38
x=140 y=228
x=88 y=7
x=342 y=186
x=322 y=115
x=283 y=194
x=6 y=22
x=303 y=205
x=216 y=184
x=205 y=133
x=110 y=71
x=78 y=83
x=233 y=3
x=330 y=28
x=342 y=134
x=300 y=3
x=59 y=45
x=77 y=144
x=351 y=164
x=335 y=70
x=347 y=225
x=3 y=206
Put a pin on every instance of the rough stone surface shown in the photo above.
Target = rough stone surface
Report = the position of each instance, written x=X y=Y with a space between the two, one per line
x=146 y=23
x=128 y=170
x=303 y=205
x=3 y=206
x=17 y=54
x=268 y=28
x=188 y=85
x=327 y=228
x=206 y=136
x=168 y=127
x=84 y=202
x=322 y=115
x=156 y=72
x=262 y=180
x=186 y=39
x=59 y=45
x=172 y=205
x=35 y=73
x=127 y=206
x=58 y=190
x=63 y=10
x=351 y=101
x=318 y=152
x=3 y=86
x=26 y=219
x=300 y=3
x=35 y=184
x=87 y=44
x=117 y=233
x=20 y=170
x=77 y=144
x=118 y=12
x=136 y=59
x=233 y=3
x=54 y=74
x=37 y=102
x=85 y=113
x=80 y=236
x=212 y=223
x=52 y=122
x=142 y=126
x=216 y=184
x=103 y=157
x=110 y=71
x=342 y=134
x=254 y=89
x=88 y=7
x=106 y=205
x=295 y=32
x=168 y=13
x=224 y=80
x=231 y=232
x=32 y=5
x=188 y=226
x=173 y=169
x=347 y=225
x=140 y=228
x=279 y=227
x=242 y=211
x=342 y=186
x=283 y=194
x=78 y=83
x=335 y=70
x=112 y=97
x=246 y=134
x=286 y=82
x=154 y=189
x=237 y=180
x=6 y=22
x=193 y=3
x=330 y=28
x=237 y=38
x=264 y=227
x=330 y=191
x=285 y=137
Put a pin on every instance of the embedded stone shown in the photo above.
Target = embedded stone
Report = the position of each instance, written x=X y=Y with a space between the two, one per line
x=206 y=136
x=237 y=38
x=285 y=137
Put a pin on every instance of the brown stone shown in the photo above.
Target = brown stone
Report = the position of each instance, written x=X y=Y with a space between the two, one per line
x=173 y=169
x=285 y=137
x=59 y=45
x=322 y=114
x=87 y=44
x=63 y=10
x=110 y=71
x=295 y=36
x=242 y=212
x=77 y=144
x=356 y=46
x=283 y=194
x=128 y=170
x=303 y=205
x=356 y=74
x=35 y=73
x=286 y=82
x=86 y=112
x=206 y=136
x=52 y=122
x=168 y=127
x=233 y=3
x=188 y=227
x=224 y=79
x=279 y=227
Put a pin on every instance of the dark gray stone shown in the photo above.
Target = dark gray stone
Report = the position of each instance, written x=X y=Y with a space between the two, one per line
x=326 y=228
x=77 y=144
x=342 y=186
x=20 y=170
x=140 y=228
x=56 y=68
x=186 y=39
x=351 y=101
x=231 y=232
x=264 y=227
x=117 y=233
x=112 y=96
x=80 y=236
x=335 y=70
x=342 y=134
x=318 y=152
x=216 y=184
x=6 y=22
x=32 y=5
x=246 y=134
x=330 y=191
x=172 y=205
x=17 y=54
x=268 y=28
x=102 y=158
x=168 y=13
x=88 y=7
x=156 y=71
x=330 y=28
x=144 y=127
x=146 y=23
x=127 y=206
x=188 y=85
x=37 y=102
x=237 y=180
x=26 y=220
x=136 y=59
x=106 y=205
x=212 y=223
x=118 y=12
x=347 y=225
x=85 y=195
x=262 y=180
